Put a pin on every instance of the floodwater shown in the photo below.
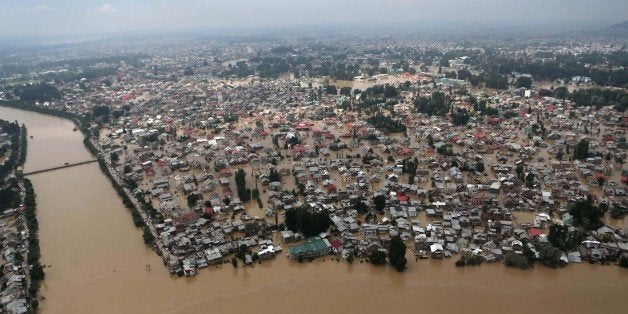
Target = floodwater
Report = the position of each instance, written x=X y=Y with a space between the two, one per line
x=97 y=262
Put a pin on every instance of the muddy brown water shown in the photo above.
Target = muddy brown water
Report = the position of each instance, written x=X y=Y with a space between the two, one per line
x=97 y=262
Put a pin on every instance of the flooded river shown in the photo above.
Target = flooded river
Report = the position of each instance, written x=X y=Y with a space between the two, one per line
x=97 y=262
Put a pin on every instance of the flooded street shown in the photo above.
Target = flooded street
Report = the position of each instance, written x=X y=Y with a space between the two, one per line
x=96 y=262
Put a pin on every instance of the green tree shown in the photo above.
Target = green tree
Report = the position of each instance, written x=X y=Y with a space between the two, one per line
x=306 y=222
x=623 y=261
x=517 y=260
x=561 y=92
x=380 y=202
x=530 y=179
x=243 y=193
x=252 y=228
x=345 y=91
x=479 y=167
x=331 y=90
x=581 y=151
x=397 y=254
x=586 y=215
x=520 y=173
x=549 y=255
x=557 y=236
x=460 y=117
x=192 y=199
x=243 y=249
x=523 y=81
x=436 y=105
x=377 y=257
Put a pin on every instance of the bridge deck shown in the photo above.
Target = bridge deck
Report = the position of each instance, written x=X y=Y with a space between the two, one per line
x=60 y=167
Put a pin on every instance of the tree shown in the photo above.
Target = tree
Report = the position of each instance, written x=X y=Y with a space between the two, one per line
x=460 y=117
x=192 y=199
x=434 y=106
x=586 y=215
x=557 y=236
x=479 y=167
x=523 y=81
x=623 y=261
x=581 y=151
x=114 y=157
x=99 y=111
x=243 y=250
x=377 y=257
x=520 y=173
x=530 y=180
x=397 y=254
x=37 y=92
x=350 y=258
x=549 y=255
x=380 y=202
x=618 y=212
x=331 y=90
x=516 y=260
x=496 y=82
x=360 y=206
x=345 y=91
x=306 y=222
x=469 y=260
x=243 y=193
x=252 y=228
x=561 y=92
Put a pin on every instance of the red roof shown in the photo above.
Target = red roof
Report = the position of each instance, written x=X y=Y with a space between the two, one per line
x=336 y=243
x=405 y=151
x=599 y=175
x=535 y=232
x=402 y=198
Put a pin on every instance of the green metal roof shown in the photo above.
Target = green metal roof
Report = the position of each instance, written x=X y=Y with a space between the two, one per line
x=313 y=244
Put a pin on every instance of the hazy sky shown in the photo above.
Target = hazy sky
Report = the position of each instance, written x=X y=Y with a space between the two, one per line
x=31 y=17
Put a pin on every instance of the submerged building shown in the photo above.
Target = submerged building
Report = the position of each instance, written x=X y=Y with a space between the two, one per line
x=313 y=247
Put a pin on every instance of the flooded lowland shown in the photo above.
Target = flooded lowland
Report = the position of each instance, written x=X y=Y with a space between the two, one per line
x=96 y=262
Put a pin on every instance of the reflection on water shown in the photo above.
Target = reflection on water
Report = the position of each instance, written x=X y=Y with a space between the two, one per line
x=97 y=261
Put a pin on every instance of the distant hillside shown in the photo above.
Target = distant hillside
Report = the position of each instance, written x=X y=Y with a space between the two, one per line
x=619 y=27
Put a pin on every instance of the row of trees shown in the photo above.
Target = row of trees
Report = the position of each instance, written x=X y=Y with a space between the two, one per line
x=37 y=92
x=37 y=270
x=432 y=106
x=240 y=179
x=386 y=123
x=396 y=255
x=598 y=97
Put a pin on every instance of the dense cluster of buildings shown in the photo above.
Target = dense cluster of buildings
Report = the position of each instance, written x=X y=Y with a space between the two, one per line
x=484 y=187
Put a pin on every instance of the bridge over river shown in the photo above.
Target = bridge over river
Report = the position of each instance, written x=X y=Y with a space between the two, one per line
x=66 y=165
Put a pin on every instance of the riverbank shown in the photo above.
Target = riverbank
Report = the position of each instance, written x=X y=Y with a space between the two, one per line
x=132 y=203
x=22 y=270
